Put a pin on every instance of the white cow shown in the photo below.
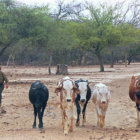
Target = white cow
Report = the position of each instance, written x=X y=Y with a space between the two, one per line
x=68 y=92
x=100 y=97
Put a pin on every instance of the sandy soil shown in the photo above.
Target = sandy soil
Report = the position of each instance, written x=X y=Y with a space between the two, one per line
x=16 y=124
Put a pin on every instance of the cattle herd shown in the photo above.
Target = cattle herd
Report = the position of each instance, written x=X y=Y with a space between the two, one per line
x=77 y=94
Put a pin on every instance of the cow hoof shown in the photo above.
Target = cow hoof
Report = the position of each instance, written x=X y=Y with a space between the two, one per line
x=71 y=129
x=77 y=123
x=34 y=126
x=65 y=132
x=101 y=126
x=40 y=128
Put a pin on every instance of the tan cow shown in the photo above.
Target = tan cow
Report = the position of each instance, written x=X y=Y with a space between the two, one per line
x=67 y=90
x=101 y=97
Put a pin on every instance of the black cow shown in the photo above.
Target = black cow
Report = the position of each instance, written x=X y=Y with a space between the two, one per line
x=38 y=96
x=82 y=99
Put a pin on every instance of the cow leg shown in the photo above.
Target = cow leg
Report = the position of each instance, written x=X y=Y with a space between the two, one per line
x=66 y=123
x=35 y=114
x=71 y=125
x=78 y=114
x=98 y=122
x=138 y=118
x=62 y=119
x=102 y=118
x=98 y=115
x=71 y=118
x=42 y=111
x=66 y=129
x=40 y=115
x=40 y=119
x=138 y=114
x=84 y=113
x=103 y=121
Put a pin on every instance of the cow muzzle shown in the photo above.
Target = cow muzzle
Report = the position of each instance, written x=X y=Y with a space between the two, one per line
x=103 y=102
x=68 y=100
x=82 y=100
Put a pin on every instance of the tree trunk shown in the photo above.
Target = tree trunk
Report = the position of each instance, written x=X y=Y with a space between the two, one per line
x=50 y=62
x=80 y=59
x=112 y=60
x=125 y=59
x=83 y=60
x=12 y=59
x=62 y=69
x=2 y=51
x=129 y=59
x=100 y=62
x=6 y=46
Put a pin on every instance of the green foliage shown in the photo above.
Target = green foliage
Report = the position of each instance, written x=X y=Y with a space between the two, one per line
x=130 y=34
x=99 y=31
x=34 y=29
x=7 y=24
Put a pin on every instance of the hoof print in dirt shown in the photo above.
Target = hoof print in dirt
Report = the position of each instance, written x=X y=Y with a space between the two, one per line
x=3 y=112
x=136 y=130
x=42 y=131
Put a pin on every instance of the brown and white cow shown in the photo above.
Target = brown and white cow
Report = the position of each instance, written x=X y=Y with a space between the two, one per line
x=134 y=94
x=101 y=97
x=68 y=91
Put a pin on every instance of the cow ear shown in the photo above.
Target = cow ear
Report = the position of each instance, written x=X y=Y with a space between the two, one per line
x=89 y=83
x=58 y=89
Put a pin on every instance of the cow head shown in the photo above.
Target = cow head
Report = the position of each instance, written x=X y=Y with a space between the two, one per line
x=103 y=96
x=83 y=87
x=67 y=89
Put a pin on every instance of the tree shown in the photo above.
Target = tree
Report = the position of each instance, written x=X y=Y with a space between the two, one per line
x=131 y=36
x=93 y=32
x=7 y=25
x=114 y=38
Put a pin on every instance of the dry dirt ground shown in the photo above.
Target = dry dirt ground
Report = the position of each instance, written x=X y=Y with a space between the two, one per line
x=121 y=119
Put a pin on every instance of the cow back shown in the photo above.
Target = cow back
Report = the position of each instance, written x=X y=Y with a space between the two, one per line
x=38 y=90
